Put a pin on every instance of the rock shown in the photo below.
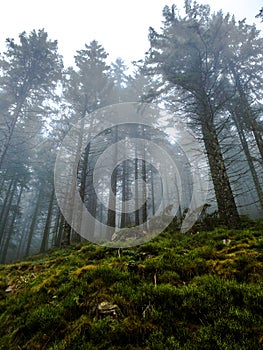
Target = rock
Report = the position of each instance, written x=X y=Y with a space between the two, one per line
x=226 y=242
x=106 y=308
x=9 y=289
x=126 y=234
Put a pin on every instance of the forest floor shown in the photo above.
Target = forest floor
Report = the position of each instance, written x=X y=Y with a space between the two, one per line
x=178 y=291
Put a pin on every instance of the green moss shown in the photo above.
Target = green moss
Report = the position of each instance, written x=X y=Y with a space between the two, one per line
x=179 y=291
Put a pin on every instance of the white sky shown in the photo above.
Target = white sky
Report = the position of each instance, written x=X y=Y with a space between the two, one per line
x=120 y=26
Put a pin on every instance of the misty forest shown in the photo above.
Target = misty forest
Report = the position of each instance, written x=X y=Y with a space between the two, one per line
x=201 y=289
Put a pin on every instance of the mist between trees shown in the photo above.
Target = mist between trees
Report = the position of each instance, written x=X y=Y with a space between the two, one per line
x=204 y=68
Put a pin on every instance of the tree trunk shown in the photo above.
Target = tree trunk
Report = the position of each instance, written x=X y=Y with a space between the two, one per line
x=91 y=201
x=152 y=191
x=136 y=175
x=258 y=137
x=249 y=160
x=11 y=129
x=46 y=231
x=247 y=114
x=3 y=180
x=225 y=200
x=22 y=238
x=144 y=186
x=7 y=209
x=144 y=193
x=83 y=182
x=111 y=219
x=92 y=208
x=33 y=222
x=3 y=211
x=11 y=227
x=59 y=227
x=72 y=186
x=124 y=195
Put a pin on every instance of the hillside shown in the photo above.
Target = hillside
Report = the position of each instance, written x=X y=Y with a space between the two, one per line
x=191 y=291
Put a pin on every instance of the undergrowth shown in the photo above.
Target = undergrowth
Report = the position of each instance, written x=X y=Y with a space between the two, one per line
x=178 y=291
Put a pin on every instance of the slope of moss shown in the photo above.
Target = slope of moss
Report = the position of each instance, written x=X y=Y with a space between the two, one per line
x=201 y=291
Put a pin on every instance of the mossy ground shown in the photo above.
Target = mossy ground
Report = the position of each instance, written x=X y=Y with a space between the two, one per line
x=179 y=291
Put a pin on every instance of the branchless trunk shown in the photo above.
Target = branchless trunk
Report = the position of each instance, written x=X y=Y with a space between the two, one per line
x=253 y=171
x=248 y=115
x=258 y=137
x=111 y=219
x=124 y=195
x=92 y=208
x=59 y=227
x=6 y=210
x=44 y=242
x=19 y=251
x=144 y=186
x=225 y=200
x=34 y=220
x=11 y=129
x=11 y=228
x=76 y=237
x=136 y=175
x=152 y=191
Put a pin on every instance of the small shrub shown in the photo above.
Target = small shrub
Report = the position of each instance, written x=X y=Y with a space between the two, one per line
x=45 y=318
